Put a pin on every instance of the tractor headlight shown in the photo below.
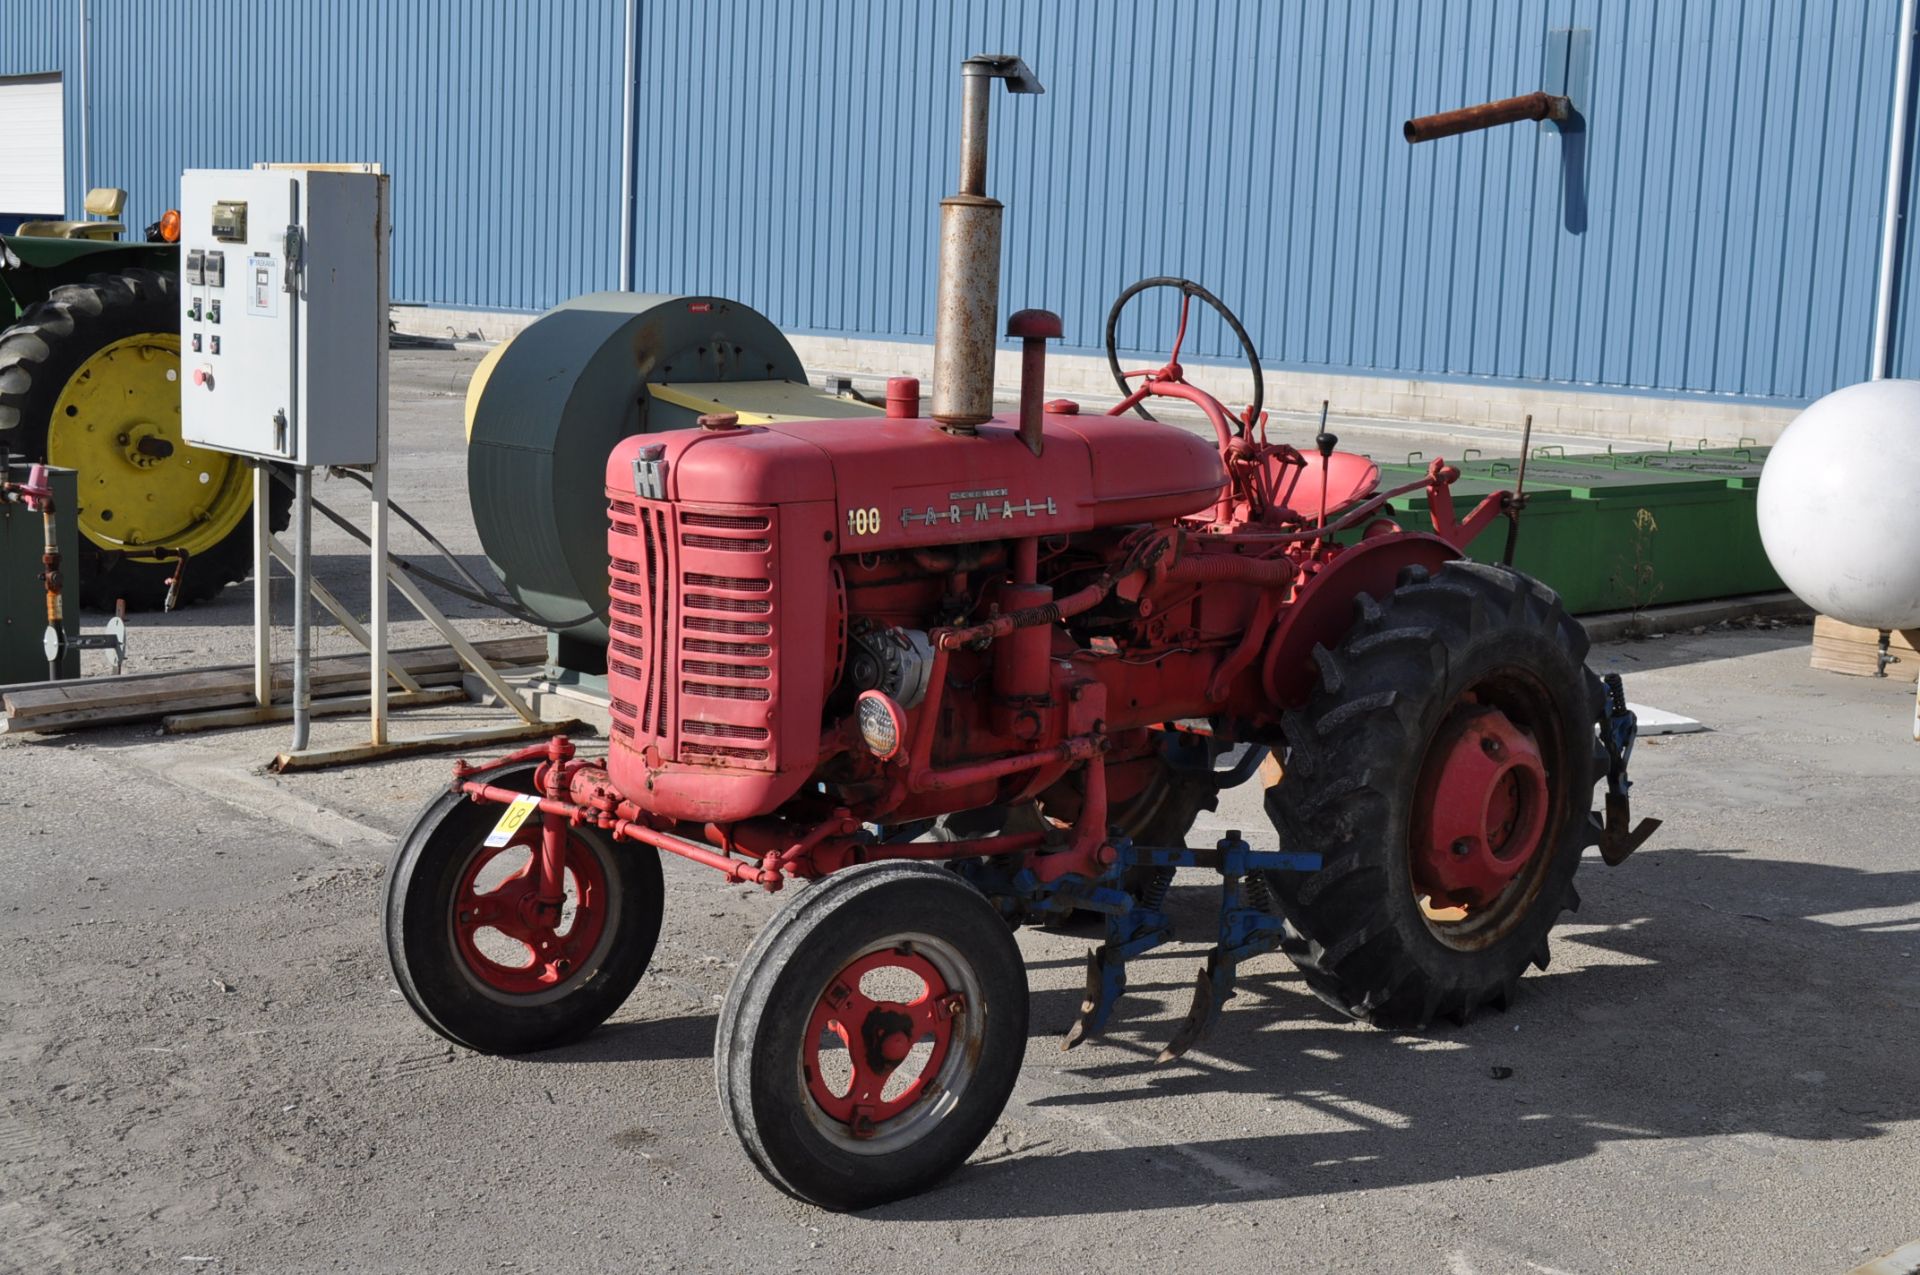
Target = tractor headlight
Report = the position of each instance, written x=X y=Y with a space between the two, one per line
x=883 y=724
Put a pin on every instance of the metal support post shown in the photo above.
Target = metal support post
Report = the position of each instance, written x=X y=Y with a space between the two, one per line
x=262 y=585
x=377 y=610
x=377 y=548
x=1881 y=360
x=302 y=602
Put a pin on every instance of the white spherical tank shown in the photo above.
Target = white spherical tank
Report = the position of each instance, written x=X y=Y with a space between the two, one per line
x=1839 y=505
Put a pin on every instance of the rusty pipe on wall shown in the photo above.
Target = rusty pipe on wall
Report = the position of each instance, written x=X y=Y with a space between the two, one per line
x=1471 y=119
x=968 y=299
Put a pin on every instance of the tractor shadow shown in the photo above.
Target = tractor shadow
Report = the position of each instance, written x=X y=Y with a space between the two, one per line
x=637 y=1040
x=1697 y=994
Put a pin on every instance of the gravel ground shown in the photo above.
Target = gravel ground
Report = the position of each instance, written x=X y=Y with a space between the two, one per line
x=204 y=1065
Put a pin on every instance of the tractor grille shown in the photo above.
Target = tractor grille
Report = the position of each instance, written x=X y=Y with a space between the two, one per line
x=690 y=658
x=638 y=579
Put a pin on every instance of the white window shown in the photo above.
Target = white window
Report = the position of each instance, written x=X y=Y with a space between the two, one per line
x=33 y=178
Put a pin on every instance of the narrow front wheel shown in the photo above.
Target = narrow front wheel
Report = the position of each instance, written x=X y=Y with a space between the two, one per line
x=475 y=956
x=872 y=1035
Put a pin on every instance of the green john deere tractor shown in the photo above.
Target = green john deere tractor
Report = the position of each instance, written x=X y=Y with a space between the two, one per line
x=90 y=380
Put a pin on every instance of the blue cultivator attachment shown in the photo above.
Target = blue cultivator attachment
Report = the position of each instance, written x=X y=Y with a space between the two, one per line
x=1619 y=835
x=1248 y=927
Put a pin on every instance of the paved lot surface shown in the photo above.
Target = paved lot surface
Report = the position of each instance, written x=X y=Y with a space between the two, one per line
x=204 y=1065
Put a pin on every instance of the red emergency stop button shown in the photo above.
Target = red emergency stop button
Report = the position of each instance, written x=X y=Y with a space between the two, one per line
x=203 y=375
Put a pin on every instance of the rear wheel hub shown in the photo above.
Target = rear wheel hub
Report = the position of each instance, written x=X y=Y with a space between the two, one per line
x=1481 y=807
x=142 y=487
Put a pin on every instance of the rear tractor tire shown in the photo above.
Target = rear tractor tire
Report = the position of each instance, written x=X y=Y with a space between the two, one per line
x=1444 y=767
x=872 y=1035
x=90 y=380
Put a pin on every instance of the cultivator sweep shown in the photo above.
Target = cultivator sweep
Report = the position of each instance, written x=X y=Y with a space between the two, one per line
x=960 y=671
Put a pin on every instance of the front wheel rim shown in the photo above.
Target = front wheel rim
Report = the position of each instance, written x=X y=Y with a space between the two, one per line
x=879 y=1071
x=492 y=913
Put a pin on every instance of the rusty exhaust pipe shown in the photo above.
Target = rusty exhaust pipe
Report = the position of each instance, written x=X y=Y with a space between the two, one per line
x=968 y=305
x=1471 y=119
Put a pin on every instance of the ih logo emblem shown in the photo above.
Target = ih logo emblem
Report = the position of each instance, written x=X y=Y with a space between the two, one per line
x=650 y=473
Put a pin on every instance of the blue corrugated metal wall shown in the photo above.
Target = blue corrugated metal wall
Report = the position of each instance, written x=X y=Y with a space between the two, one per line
x=499 y=120
x=1713 y=229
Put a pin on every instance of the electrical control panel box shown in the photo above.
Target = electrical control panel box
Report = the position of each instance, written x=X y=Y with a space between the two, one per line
x=283 y=312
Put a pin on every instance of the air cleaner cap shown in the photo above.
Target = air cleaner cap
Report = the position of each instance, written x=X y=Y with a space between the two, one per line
x=719 y=421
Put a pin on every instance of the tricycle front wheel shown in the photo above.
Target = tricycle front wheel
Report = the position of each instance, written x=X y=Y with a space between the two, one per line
x=872 y=1035
x=481 y=965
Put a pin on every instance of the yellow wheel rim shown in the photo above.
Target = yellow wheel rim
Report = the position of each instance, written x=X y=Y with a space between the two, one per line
x=142 y=489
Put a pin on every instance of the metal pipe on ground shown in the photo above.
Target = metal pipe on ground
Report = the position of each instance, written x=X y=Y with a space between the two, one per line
x=1470 y=119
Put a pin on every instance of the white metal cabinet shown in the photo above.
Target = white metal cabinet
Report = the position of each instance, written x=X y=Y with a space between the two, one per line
x=283 y=318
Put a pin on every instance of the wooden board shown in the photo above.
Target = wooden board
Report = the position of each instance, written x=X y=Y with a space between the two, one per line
x=102 y=701
x=79 y=718
x=1850 y=649
x=324 y=706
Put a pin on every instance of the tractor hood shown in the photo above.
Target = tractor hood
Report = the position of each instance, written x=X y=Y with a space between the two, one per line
x=908 y=483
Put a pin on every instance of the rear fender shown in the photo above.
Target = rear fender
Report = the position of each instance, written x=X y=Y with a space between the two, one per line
x=1322 y=611
x=31 y=268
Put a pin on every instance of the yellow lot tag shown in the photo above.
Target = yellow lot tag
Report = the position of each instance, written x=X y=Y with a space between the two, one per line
x=510 y=820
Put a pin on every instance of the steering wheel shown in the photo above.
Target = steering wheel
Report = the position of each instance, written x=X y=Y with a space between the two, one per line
x=1188 y=291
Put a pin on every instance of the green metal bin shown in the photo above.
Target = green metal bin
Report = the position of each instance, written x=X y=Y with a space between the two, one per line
x=1620 y=531
x=23 y=597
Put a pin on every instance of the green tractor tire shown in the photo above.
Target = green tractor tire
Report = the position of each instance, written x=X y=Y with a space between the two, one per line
x=90 y=380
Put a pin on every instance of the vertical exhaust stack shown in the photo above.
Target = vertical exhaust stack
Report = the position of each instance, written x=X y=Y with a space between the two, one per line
x=966 y=313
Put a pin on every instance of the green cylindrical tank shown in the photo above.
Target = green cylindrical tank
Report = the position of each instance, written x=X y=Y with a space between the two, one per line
x=547 y=408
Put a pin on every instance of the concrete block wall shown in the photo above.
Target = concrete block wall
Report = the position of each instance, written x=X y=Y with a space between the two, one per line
x=1605 y=416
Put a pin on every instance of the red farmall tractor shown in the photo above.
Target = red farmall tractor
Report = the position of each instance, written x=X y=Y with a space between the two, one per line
x=1040 y=631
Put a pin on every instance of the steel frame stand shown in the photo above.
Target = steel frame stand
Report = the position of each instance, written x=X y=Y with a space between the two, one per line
x=372 y=636
x=377 y=702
